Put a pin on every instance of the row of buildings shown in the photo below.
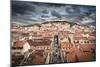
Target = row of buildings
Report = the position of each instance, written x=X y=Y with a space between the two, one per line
x=40 y=37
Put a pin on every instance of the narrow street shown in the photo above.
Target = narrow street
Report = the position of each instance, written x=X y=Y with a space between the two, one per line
x=56 y=55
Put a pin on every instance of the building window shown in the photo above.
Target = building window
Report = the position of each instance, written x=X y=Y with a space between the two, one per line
x=77 y=41
x=85 y=42
x=81 y=42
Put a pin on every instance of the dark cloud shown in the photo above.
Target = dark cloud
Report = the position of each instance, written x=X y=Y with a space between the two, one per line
x=80 y=10
x=55 y=5
x=45 y=11
x=73 y=10
x=35 y=11
x=20 y=7
x=56 y=14
x=87 y=10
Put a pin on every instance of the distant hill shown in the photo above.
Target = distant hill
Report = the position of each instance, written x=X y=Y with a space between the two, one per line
x=58 y=21
x=63 y=22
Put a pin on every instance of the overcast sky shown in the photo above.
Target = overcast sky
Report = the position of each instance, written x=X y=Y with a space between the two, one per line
x=29 y=12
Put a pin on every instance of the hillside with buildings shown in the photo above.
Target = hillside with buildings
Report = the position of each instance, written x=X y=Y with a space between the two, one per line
x=76 y=42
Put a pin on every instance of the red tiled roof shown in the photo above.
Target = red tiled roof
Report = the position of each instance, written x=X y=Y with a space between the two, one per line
x=20 y=43
x=87 y=47
x=40 y=43
x=75 y=55
x=71 y=57
x=92 y=34
x=91 y=38
x=65 y=32
x=78 y=38
x=78 y=35
x=66 y=44
x=85 y=56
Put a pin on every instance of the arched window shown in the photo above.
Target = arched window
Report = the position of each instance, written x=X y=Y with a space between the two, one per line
x=88 y=42
x=81 y=42
x=85 y=42
x=77 y=41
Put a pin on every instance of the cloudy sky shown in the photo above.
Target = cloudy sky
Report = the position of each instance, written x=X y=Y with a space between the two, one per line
x=29 y=12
